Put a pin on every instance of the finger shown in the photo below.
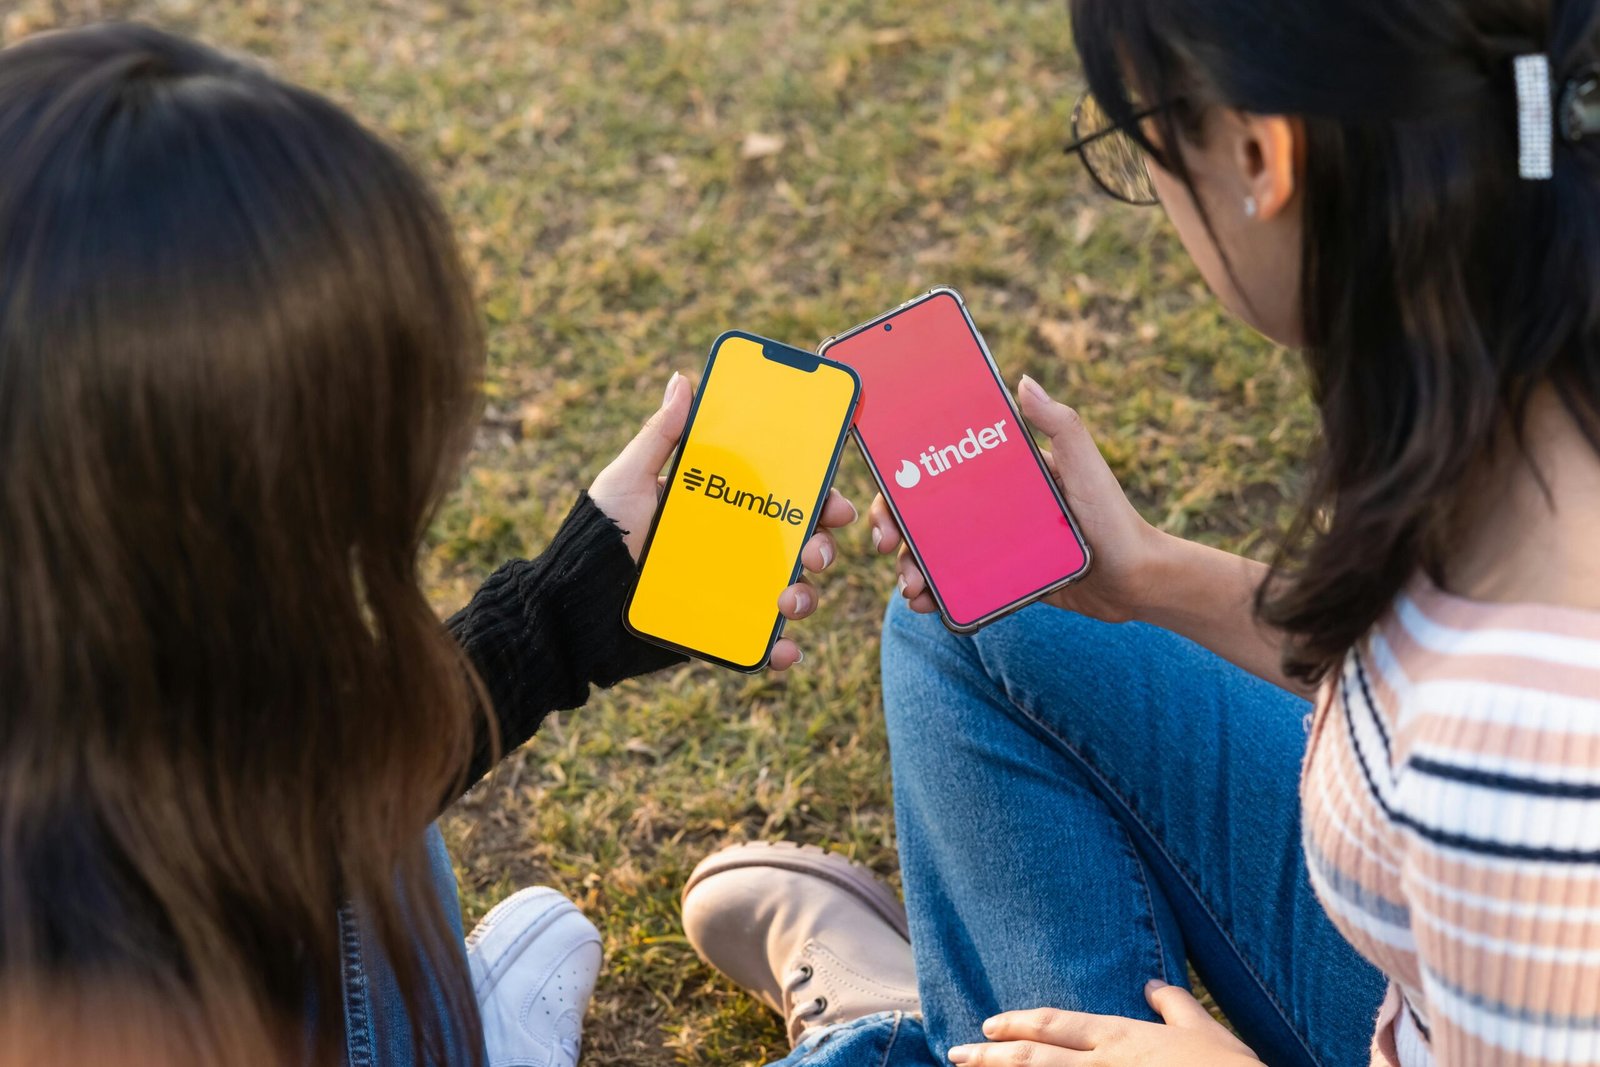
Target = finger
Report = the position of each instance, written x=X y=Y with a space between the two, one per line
x=885 y=531
x=1049 y=1026
x=820 y=552
x=911 y=582
x=1073 y=453
x=650 y=449
x=798 y=601
x=1177 y=1006
x=924 y=604
x=785 y=654
x=1017 y=1054
x=837 y=511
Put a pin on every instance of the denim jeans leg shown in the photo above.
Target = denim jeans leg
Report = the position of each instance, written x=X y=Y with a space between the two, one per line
x=888 y=1039
x=1082 y=807
x=377 y=1023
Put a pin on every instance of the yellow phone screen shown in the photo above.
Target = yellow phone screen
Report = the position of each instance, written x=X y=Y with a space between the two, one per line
x=758 y=455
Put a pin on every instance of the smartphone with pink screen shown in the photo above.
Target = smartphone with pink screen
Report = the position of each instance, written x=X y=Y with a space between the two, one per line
x=979 y=510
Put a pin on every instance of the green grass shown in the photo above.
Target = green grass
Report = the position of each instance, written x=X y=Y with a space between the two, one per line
x=633 y=177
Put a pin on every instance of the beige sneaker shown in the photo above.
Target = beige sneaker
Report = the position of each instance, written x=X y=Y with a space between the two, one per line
x=815 y=937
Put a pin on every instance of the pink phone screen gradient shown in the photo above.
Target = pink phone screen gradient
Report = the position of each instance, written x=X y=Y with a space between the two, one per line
x=971 y=496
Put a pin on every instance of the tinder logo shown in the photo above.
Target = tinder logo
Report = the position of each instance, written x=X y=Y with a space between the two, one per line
x=908 y=475
x=937 y=461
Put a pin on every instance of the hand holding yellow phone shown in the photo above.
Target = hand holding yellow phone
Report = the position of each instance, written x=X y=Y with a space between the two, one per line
x=743 y=496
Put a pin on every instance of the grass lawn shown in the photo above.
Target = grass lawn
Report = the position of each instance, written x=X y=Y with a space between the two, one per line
x=632 y=177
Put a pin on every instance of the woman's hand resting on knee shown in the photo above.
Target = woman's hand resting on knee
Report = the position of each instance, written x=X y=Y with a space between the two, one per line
x=1139 y=573
x=1045 y=1037
x=629 y=489
x=1125 y=546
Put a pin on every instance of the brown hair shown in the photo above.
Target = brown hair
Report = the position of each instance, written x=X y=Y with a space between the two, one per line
x=238 y=366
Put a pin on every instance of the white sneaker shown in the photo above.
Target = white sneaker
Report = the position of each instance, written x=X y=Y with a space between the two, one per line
x=534 y=960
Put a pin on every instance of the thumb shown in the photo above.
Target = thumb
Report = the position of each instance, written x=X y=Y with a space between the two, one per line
x=650 y=449
x=1177 y=1006
x=1069 y=438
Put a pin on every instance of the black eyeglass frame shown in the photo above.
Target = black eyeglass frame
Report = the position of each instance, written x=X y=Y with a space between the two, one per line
x=1081 y=141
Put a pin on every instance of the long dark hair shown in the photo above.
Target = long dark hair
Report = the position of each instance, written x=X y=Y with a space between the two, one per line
x=1439 y=289
x=238 y=367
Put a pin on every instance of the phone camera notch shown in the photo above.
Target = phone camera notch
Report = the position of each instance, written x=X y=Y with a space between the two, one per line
x=888 y=326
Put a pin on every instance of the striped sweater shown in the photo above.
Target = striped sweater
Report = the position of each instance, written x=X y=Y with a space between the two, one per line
x=1452 y=827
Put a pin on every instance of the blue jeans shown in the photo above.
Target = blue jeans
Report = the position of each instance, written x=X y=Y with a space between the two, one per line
x=377 y=1025
x=1082 y=807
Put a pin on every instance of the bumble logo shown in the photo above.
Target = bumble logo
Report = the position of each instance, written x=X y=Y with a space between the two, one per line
x=715 y=487
x=937 y=461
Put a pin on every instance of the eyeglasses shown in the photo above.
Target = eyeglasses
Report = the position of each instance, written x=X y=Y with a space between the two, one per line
x=1115 y=161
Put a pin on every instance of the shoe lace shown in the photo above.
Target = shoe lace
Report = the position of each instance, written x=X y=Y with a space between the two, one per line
x=806 y=1009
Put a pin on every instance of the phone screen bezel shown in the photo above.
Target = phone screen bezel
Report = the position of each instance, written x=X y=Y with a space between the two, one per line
x=789 y=356
x=888 y=490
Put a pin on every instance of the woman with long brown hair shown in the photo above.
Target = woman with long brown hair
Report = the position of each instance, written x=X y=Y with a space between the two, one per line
x=239 y=366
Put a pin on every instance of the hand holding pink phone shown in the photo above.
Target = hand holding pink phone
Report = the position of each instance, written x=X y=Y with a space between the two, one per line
x=971 y=493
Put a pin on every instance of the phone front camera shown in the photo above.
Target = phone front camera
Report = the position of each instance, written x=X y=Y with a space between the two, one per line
x=888 y=326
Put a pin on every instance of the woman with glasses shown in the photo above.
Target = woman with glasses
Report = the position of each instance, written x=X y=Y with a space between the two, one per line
x=1357 y=791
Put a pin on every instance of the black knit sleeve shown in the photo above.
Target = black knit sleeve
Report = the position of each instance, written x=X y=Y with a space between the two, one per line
x=541 y=631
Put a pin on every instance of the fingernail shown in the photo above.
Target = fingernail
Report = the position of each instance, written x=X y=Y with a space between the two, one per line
x=1032 y=387
x=877 y=536
x=1153 y=985
x=961 y=1054
x=990 y=1026
x=672 y=384
x=802 y=601
x=826 y=551
x=900 y=583
x=799 y=657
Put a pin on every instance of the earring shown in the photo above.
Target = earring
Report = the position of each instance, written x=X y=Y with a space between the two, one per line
x=1250 y=207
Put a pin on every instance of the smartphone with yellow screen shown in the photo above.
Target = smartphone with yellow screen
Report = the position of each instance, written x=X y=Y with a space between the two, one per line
x=742 y=498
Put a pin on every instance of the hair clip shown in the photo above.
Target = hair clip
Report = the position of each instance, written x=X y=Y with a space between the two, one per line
x=1580 y=106
x=1535 y=124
